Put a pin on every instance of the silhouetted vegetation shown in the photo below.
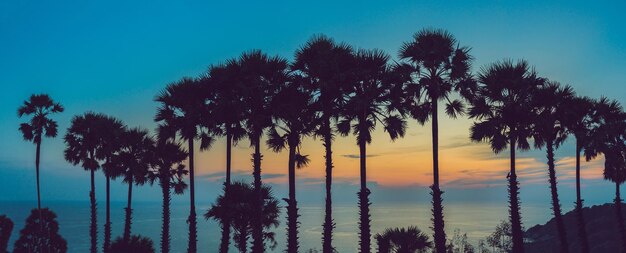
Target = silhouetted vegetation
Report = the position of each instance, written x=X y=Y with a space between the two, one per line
x=240 y=208
x=436 y=66
x=133 y=244
x=329 y=89
x=6 y=227
x=166 y=167
x=40 y=234
x=403 y=240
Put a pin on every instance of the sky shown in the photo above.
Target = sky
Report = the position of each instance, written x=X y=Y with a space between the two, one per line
x=113 y=57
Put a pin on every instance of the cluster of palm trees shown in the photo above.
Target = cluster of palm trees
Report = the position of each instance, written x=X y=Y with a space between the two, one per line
x=333 y=89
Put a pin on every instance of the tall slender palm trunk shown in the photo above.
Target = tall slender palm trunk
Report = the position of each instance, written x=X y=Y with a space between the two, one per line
x=514 y=206
x=364 y=204
x=292 y=205
x=438 y=223
x=37 y=155
x=93 y=230
x=193 y=230
x=556 y=205
x=620 y=217
x=107 y=223
x=582 y=231
x=258 y=245
x=129 y=211
x=165 y=226
x=329 y=225
x=225 y=239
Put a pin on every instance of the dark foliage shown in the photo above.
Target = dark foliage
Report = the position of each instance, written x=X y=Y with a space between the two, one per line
x=6 y=227
x=40 y=235
x=239 y=206
x=134 y=244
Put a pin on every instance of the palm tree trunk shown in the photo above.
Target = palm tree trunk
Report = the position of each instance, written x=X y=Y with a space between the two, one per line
x=191 y=247
x=514 y=207
x=438 y=223
x=258 y=245
x=107 y=223
x=582 y=231
x=129 y=210
x=292 y=209
x=93 y=230
x=556 y=205
x=225 y=239
x=37 y=155
x=329 y=225
x=364 y=211
x=620 y=217
x=165 y=227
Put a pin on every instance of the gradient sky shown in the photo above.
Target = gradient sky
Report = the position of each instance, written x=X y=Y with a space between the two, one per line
x=115 y=56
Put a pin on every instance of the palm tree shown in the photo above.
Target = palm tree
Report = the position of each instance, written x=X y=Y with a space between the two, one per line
x=132 y=162
x=578 y=123
x=225 y=91
x=166 y=167
x=293 y=118
x=84 y=144
x=370 y=103
x=40 y=107
x=259 y=76
x=326 y=67
x=110 y=132
x=240 y=208
x=502 y=107
x=403 y=240
x=608 y=137
x=550 y=131
x=439 y=67
x=40 y=234
x=182 y=111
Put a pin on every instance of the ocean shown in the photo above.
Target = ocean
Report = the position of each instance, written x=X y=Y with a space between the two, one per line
x=478 y=220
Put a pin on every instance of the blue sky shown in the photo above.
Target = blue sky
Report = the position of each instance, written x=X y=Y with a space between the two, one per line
x=114 y=57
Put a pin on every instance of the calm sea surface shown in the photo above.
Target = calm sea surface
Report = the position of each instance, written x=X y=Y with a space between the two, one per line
x=477 y=220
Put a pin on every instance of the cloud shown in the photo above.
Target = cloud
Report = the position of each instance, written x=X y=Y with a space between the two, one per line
x=355 y=156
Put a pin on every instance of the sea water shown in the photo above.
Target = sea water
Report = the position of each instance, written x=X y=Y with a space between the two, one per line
x=477 y=220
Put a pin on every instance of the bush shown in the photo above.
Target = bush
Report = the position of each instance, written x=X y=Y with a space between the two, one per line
x=6 y=226
x=40 y=235
x=136 y=244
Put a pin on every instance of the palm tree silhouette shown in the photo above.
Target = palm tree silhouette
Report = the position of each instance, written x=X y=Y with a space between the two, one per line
x=326 y=67
x=403 y=240
x=439 y=68
x=132 y=162
x=6 y=226
x=166 y=167
x=222 y=85
x=578 y=123
x=260 y=76
x=503 y=108
x=40 y=234
x=550 y=131
x=110 y=132
x=241 y=207
x=40 y=107
x=182 y=111
x=370 y=103
x=608 y=137
x=293 y=118
x=84 y=146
